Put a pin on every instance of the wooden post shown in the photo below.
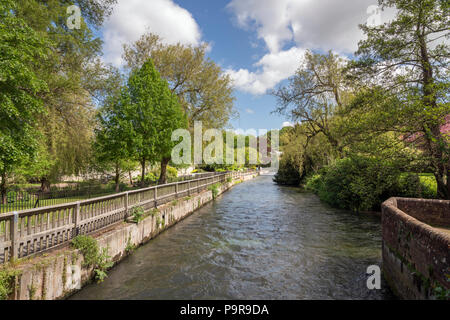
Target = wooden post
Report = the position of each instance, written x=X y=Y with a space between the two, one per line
x=76 y=218
x=176 y=190
x=14 y=229
x=189 y=188
x=156 y=196
x=126 y=204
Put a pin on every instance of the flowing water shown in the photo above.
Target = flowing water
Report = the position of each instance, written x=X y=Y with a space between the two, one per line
x=256 y=241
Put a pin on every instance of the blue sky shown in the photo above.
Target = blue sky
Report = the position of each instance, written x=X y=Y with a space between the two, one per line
x=259 y=43
x=231 y=47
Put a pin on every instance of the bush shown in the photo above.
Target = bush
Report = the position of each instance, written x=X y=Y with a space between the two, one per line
x=93 y=256
x=413 y=185
x=214 y=189
x=7 y=278
x=356 y=183
x=138 y=214
x=288 y=173
x=172 y=172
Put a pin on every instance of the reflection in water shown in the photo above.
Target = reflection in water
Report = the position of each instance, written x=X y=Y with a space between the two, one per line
x=256 y=241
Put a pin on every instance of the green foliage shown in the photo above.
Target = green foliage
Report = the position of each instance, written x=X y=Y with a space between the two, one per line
x=356 y=183
x=88 y=247
x=413 y=185
x=203 y=89
x=172 y=172
x=93 y=256
x=214 y=189
x=288 y=173
x=7 y=279
x=74 y=76
x=147 y=113
x=130 y=247
x=160 y=222
x=103 y=264
x=402 y=66
x=138 y=214
x=21 y=49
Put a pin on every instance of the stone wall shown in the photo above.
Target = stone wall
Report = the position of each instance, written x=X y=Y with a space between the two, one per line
x=57 y=274
x=416 y=247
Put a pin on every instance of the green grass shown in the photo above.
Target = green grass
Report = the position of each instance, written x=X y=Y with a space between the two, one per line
x=23 y=205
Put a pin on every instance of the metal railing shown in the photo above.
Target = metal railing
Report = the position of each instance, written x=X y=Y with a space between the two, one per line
x=33 y=231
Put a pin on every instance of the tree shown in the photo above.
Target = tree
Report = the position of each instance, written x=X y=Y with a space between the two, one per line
x=315 y=94
x=113 y=133
x=73 y=74
x=204 y=92
x=153 y=112
x=406 y=60
x=21 y=48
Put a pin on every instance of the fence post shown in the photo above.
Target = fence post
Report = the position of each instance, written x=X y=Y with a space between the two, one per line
x=176 y=190
x=76 y=218
x=156 y=196
x=126 y=204
x=189 y=188
x=14 y=229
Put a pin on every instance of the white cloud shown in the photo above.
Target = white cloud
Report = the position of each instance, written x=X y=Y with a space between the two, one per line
x=287 y=124
x=132 y=18
x=249 y=111
x=313 y=24
x=272 y=68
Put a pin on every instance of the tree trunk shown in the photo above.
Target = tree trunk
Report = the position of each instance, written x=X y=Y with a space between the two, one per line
x=117 y=177
x=163 y=176
x=143 y=171
x=448 y=184
x=131 y=179
x=3 y=188
x=45 y=184
x=443 y=185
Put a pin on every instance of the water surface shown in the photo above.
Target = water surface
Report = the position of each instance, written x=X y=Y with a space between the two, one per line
x=256 y=241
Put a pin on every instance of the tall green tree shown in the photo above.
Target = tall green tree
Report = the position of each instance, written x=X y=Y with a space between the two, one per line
x=113 y=132
x=72 y=71
x=205 y=93
x=21 y=48
x=405 y=62
x=154 y=112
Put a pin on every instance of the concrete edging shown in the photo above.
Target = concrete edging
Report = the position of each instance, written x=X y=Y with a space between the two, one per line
x=58 y=274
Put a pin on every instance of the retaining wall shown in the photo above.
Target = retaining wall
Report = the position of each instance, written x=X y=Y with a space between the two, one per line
x=57 y=274
x=416 y=247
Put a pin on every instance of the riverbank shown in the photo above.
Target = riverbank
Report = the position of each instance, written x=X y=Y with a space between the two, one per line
x=59 y=273
x=256 y=241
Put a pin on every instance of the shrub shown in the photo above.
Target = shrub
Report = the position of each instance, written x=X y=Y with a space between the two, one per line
x=7 y=277
x=88 y=247
x=214 y=189
x=172 y=172
x=93 y=256
x=138 y=214
x=414 y=185
x=288 y=173
x=356 y=183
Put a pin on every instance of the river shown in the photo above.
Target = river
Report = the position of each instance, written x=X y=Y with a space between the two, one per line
x=256 y=241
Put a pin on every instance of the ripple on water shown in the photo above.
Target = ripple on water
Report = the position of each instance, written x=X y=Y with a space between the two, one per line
x=256 y=241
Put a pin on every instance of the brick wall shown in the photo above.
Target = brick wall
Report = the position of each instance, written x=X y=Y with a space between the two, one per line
x=416 y=256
